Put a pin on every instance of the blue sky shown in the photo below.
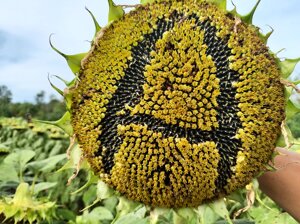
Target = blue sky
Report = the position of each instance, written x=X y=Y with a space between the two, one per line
x=26 y=58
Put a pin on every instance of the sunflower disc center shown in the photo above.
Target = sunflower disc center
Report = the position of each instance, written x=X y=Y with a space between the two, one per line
x=178 y=86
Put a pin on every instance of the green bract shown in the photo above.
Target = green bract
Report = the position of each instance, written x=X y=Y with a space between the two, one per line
x=178 y=102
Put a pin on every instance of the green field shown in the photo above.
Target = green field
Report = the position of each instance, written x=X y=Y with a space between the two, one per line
x=34 y=172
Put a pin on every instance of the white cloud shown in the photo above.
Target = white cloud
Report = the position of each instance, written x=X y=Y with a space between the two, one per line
x=28 y=77
x=35 y=22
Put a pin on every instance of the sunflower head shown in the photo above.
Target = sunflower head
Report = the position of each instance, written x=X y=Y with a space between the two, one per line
x=177 y=102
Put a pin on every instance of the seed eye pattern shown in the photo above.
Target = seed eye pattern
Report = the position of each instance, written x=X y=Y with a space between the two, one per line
x=177 y=104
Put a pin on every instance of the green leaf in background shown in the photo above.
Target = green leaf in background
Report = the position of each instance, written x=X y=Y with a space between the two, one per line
x=126 y=206
x=8 y=173
x=65 y=214
x=189 y=215
x=48 y=164
x=130 y=212
x=97 y=215
x=236 y=221
x=92 y=179
x=176 y=219
x=38 y=143
x=156 y=214
x=43 y=186
x=4 y=148
x=140 y=211
x=207 y=215
x=169 y=216
x=89 y=195
x=104 y=191
x=288 y=66
x=56 y=148
x=285 y=218
x=101 y=213
x=130 y=219
x=75 y=156
x=17 y=161
x=263 y=214
x=20 y=158
x=220 y=208
x=111 y=204
x=291 y=110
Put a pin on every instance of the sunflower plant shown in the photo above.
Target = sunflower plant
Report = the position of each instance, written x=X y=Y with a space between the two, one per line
x=176 y=107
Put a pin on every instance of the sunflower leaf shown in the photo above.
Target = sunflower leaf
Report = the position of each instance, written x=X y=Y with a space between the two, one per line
x=188 y=214
x=100 y=213
x=8 y=173
x=103 y=190
x=206 y=214
x=43 y=186
x=291 y=110
x=92 y=179
x=219 y=207
x=287 y=66
x=19 y=159
x=46 y=165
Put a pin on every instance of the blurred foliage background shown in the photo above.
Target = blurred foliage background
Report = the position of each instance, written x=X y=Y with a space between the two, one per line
x=42 y=108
